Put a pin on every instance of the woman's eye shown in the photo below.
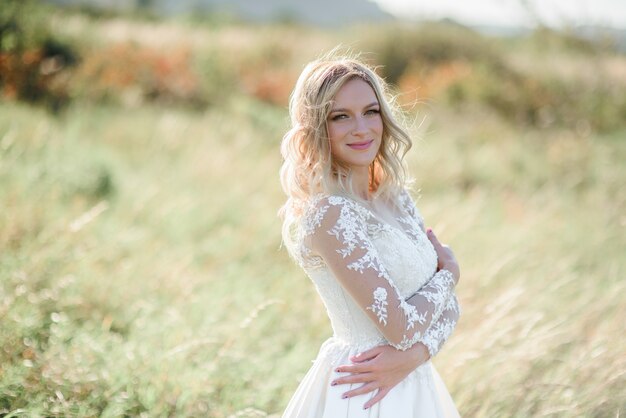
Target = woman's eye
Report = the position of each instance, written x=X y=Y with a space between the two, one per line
x=339 y=116
x=373 y=112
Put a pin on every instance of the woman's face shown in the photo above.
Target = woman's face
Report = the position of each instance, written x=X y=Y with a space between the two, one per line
x=355 y=126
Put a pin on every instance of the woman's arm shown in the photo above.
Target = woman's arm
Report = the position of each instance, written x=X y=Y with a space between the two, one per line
x=382 y=368
x=439 y=331
x=340 y=237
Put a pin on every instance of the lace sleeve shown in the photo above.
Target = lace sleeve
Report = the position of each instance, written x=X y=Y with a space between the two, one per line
x=339 y=235
x=440 y=330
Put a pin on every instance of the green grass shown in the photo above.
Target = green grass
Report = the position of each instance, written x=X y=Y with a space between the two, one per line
x=142 y=271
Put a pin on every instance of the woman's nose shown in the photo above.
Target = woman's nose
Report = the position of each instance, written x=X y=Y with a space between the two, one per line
x=360 y=126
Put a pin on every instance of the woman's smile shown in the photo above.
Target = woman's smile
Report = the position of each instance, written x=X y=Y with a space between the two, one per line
x=361 y=145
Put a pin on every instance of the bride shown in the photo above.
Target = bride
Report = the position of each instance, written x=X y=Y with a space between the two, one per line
x=388 y=285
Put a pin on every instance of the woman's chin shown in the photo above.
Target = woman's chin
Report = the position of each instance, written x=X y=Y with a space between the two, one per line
x=360 y=164
x=360 y=160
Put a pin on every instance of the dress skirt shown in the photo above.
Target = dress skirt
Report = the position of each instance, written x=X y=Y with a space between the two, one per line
x=421 y=394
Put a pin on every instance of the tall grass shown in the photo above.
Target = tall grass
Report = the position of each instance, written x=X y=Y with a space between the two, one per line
x=141 y=272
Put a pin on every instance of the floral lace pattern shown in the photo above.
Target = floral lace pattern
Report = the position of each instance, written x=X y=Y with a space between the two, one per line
x=379 y=307
x=352 y=233
x=440 y=331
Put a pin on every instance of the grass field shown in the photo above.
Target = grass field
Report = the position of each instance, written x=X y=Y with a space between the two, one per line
x=141 y=272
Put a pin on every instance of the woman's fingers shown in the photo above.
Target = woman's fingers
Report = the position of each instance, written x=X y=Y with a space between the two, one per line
x=367 y=388
x=433 y=238
x=366 y=355
x=353 y=378
x=382 y=392
x=354 y=368
x=445 y=256
x=437 y=246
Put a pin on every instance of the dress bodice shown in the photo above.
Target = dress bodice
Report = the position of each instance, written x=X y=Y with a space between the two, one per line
x=408 y=257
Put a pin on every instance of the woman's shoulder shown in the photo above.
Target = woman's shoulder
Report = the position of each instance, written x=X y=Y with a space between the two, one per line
x=323 y=201
x=329 y=208
x=318 y=211
x=407 y=201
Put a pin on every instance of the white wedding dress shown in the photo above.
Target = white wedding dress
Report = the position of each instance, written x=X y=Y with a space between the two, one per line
x=380 y=285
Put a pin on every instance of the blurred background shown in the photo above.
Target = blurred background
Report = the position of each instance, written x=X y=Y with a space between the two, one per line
x=141 y=272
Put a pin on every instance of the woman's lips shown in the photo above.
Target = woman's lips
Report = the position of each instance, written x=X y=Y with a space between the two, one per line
x=361 y=145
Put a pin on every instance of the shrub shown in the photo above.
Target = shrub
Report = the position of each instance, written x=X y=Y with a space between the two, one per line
x=429 y=45
x=133 y=74
x=459 y=66
x=32 y=60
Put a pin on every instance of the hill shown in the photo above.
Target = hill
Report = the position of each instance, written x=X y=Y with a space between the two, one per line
x=321 y=13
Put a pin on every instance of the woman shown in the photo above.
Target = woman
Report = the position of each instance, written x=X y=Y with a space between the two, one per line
x=349 y=222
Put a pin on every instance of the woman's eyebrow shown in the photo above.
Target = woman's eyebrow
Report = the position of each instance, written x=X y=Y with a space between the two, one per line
x=346 y=110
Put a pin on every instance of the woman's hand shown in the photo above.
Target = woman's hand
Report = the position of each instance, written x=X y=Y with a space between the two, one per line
x=380 y=368
x=445 y=257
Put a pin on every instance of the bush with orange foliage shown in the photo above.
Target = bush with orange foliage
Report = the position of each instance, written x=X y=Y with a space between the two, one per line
x=426 y=82
x=134 y=74
x=32 y=60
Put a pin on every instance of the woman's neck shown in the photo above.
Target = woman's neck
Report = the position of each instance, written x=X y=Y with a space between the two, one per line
x=361 y=182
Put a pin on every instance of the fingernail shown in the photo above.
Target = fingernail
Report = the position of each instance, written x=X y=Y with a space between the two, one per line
x=344 y=396
x=338 y=371
x=430 y=231
x=365 y=407
x=333 y=384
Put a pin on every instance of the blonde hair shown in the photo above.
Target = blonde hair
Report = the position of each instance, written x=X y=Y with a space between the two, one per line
x=308 y=167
